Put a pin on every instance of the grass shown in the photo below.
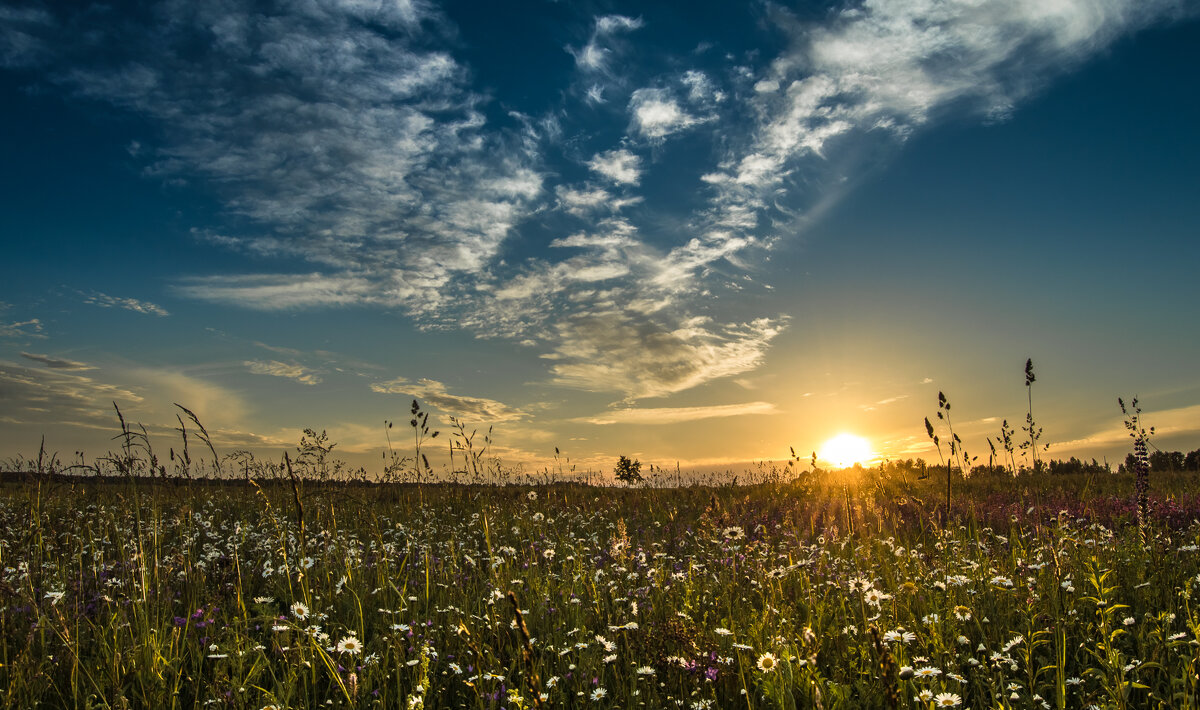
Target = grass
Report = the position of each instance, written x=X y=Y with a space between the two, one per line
x=243 y=583
x=153 y=594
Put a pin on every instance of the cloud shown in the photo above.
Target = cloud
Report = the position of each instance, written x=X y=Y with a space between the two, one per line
x=347 y=137
x=657 y=115
x=593 y=56
x=877 y=71
x=674 y=415
x=637 y=355
x=20 y=36
x=582 y=202
x=882 y=403
x=130 y=304
x=614 y=23
x=343 y=134
x=279 y=292
x=620 y=166
x=55 y=396
x=291 y=371
x=434 y=393
x=22 y=329
x=1166 y=422
x=56 y=363
x=701 y=89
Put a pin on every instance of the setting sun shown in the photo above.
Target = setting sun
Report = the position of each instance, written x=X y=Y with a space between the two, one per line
x=845 y=450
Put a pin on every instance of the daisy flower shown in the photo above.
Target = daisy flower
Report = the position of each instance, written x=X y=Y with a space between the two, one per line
x=947 y=700
x=350 y=644
x=875 y=597
x=767 y=662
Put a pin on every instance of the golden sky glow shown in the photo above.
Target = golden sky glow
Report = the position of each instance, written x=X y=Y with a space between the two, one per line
x=845 y=450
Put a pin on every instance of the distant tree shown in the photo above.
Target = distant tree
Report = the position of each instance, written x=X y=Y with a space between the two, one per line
x=628 y=472
x=1074 y=465
x=1166 y=461
x=1191 y=462
x=1129 y=465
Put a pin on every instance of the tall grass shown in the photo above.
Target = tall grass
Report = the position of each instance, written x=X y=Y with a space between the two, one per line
x=247 y=583
x=761 y=596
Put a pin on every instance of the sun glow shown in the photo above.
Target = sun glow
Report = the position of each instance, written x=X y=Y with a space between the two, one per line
x=845 y=450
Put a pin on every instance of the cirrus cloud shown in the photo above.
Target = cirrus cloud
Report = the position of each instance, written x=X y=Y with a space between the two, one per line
x=435 y=394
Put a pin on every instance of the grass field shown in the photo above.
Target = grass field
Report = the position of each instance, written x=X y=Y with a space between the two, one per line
x=1035 y=592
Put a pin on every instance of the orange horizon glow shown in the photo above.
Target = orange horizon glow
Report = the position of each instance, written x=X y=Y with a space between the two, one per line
x=845 y=450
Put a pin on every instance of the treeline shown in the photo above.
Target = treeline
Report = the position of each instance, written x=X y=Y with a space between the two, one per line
x=1160 y=461
x=1166 y=461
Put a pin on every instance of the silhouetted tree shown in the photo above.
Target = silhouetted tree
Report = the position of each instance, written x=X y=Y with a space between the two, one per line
x=1191 y=462
x=1166 y=461
x=628 y=472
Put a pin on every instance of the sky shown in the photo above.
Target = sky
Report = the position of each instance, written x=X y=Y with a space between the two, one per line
x=693 y=234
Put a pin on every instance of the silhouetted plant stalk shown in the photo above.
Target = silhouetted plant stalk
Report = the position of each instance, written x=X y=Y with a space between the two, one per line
x=1006 y=440
x=1031 y=428
x=957 y=453
x=203 y=435
x=887 y=669
x=532 y=680
x=1141 y=459
x=297 y=499
x=937 y=442
x=420 y=425
x=465 y=444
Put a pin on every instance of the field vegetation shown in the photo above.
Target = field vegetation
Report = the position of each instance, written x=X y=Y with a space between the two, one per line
x=231 y=582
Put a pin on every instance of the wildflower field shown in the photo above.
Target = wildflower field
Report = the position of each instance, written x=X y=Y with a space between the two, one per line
x=1034 y=593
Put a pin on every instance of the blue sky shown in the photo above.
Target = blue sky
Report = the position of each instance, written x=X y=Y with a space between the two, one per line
x=697 y=236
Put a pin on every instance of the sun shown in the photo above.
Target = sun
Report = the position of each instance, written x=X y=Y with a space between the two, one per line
x=845 y=450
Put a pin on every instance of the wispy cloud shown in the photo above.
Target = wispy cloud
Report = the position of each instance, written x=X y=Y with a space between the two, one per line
x=434 y=393
x=339 y=133
x=877 y=71
x=655 y=114
x=595 y=55
x=349 y=137
x=56 y=363
x=620 y=166
x=882 y=403
x=130 y=304
x=1166 y=422
x=31 y=328
x=278 y=292
x=287 y=370
x=55 y=395
x=20 y=36
x=618 y=350
x=675 y=415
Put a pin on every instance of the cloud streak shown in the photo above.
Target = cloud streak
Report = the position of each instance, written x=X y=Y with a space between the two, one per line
x=56 y=363
x=130 y=304
x=290 y=371
x=675 y=415
x=31 y=328
x=465 y=407
x=57 y=395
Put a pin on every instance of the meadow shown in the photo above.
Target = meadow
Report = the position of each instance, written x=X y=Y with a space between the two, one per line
x=848 y=589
